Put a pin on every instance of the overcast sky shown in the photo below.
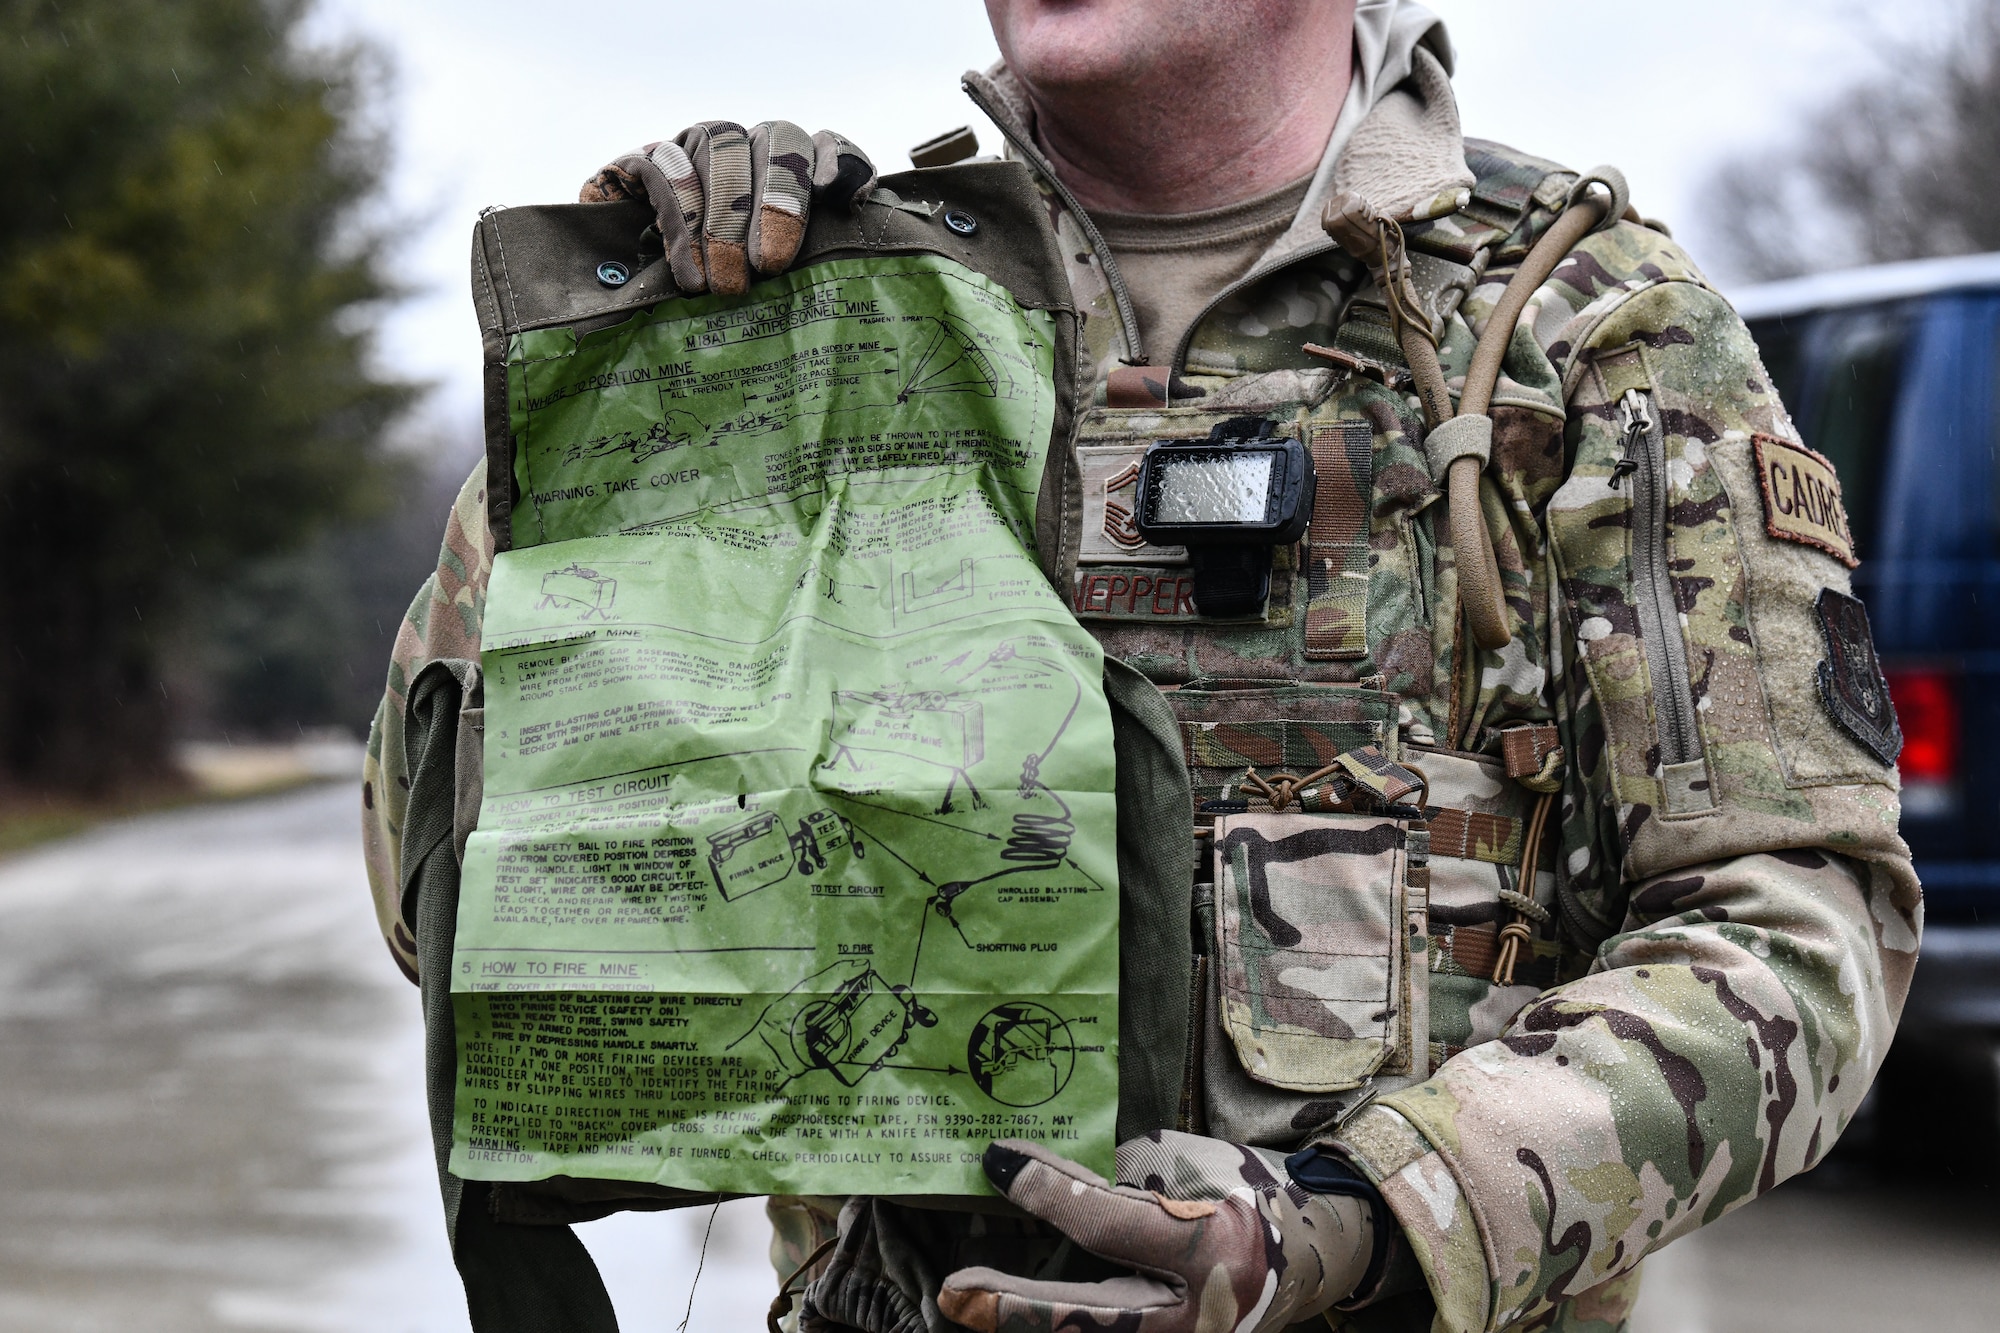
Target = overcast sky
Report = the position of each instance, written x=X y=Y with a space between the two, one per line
x=507 y=101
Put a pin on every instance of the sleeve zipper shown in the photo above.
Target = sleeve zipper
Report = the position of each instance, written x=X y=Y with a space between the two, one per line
x=1652 y=581
x=1635 y=418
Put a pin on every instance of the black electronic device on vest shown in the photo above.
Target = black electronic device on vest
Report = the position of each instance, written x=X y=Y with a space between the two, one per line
x=1229 y=499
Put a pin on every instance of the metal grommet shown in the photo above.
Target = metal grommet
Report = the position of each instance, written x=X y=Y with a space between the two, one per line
x=613 y=274
x=962 y=223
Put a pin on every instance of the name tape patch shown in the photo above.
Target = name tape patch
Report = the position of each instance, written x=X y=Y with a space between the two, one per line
x=1134 y=592
x=1802 y=498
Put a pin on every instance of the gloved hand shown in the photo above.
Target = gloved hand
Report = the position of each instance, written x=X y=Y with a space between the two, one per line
x=1220 y=1236
x=728 y=200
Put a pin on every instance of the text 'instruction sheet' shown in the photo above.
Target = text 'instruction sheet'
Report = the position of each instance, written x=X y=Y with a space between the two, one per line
x=795 y=870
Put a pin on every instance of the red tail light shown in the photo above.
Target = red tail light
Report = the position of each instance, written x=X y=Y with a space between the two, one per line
x=1927 y=706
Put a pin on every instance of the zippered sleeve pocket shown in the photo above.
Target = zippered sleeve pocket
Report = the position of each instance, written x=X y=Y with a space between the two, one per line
x=1613 y=527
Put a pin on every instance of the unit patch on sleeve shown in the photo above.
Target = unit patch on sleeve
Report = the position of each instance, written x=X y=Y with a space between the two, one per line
x=1850 y=679
x=1802 y=498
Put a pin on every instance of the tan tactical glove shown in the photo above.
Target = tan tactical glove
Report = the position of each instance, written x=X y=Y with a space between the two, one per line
x=1220 y=1236
x=729 y=200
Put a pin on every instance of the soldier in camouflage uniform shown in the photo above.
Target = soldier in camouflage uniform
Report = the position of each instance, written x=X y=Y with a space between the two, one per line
x=1532 y=957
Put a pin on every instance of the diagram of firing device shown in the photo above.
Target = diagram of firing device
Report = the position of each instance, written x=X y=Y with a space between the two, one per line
x=760 y=851
x=849 y=1020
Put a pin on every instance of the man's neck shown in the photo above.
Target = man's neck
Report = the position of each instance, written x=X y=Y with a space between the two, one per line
x=1205 y=141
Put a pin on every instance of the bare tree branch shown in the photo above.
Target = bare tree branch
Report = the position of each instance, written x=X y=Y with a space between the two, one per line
x=1903 y=165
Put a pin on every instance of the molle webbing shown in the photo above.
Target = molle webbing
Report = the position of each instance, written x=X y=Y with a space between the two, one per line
x=1475 y=835
x=1221 y=756
x=1534 y=756
x=1337 y=543
x=1515 y=198
x=1274 y=744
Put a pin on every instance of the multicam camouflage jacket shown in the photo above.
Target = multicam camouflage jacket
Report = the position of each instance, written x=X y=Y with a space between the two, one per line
x=1631 y=950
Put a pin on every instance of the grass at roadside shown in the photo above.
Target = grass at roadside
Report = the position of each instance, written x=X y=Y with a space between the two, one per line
x=208 y=772
x=28 y=821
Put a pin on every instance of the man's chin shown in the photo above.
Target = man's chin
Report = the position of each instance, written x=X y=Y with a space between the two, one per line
x=1075 y=44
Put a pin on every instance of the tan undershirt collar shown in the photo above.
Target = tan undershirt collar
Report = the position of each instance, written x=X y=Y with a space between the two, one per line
x=1174 y=264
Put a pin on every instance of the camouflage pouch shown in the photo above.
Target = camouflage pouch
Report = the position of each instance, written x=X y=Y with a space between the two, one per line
x=1478 y=821
x=1313 y=947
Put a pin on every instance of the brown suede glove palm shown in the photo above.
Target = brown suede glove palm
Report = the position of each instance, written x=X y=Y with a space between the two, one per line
x=1218 y=1235
x=730 y=201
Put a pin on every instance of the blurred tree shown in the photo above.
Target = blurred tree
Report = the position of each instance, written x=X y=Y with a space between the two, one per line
x=186 y=279
x=301 y=640
x=1904 y=165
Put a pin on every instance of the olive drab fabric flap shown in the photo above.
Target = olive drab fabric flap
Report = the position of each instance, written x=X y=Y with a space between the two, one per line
x=796 y=869
x=1313 y=946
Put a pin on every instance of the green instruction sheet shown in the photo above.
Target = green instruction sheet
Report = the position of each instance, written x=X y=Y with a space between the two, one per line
x=796 y=866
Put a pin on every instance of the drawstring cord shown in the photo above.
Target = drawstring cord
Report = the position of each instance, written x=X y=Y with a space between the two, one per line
x=1517 y=936
x=1280 y=790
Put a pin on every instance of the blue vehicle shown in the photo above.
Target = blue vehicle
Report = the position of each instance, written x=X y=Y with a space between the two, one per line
x=1890 y=372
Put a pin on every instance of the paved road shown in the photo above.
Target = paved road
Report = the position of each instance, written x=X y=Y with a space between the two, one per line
x=211 y=1118
x=211 y=1107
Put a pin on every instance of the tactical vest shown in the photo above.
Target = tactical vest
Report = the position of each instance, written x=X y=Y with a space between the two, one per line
x=1357 y=876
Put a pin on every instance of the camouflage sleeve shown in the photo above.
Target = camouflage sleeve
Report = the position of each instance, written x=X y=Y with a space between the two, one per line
x=443 y=622
x=1730 y=850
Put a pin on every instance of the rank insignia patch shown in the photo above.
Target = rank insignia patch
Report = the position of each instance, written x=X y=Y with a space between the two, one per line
x=1110 y=490
x=1850 y=679
x=1802 y=498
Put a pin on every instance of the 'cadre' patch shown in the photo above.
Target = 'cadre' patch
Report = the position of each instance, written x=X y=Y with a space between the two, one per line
x=1850 y=679
x=1802 y=498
